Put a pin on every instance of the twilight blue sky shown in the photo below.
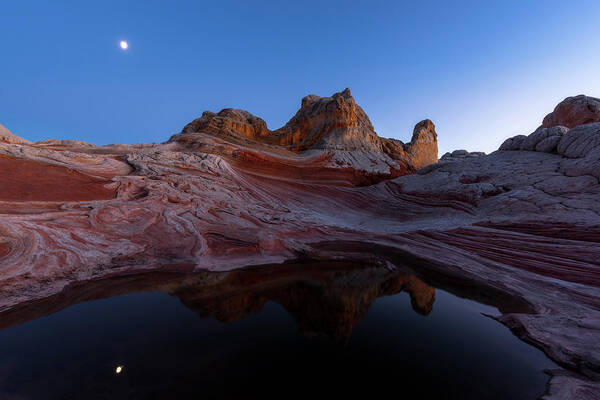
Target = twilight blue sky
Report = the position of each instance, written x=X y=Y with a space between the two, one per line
x=481 y=70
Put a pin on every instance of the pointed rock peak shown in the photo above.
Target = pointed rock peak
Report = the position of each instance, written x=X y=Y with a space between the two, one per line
x=335 y=122
x=9 y=137
x=574 y=111
x=423 y=148
x=344 y=93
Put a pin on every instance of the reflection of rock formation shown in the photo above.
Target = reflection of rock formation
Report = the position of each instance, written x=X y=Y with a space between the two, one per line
x=324 y=298
x=323 y=301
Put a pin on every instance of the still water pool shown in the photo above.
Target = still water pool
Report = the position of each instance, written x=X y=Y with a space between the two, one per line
x=263 y=333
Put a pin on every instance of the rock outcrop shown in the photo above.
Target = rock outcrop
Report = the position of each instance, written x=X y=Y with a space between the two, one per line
x=328 y=123
x=333 y=128
x=229 y=123
x=574 y=111
x=517 y=229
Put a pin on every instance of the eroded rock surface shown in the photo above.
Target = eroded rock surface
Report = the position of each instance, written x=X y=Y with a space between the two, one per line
x=460 y=154
x=574 y=111
x=521 y=224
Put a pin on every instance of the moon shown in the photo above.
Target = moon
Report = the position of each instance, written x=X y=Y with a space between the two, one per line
x=124 y=45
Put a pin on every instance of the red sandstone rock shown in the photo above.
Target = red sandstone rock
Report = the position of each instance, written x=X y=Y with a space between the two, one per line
x=573 y=111
x=27 y=181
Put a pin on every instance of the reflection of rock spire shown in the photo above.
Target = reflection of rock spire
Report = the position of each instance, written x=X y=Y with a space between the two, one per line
x=421 y=294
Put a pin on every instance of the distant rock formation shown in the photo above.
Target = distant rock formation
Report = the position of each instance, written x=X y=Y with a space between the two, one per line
x=333 y=125
x=9 y=137
x=574 y=111
x=460 y=155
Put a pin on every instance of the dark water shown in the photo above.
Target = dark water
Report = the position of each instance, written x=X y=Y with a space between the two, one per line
x=310 y=332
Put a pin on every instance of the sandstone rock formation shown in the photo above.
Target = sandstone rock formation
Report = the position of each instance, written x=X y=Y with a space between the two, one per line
x=9 y=137
x=229 y=123
x=574 y=111
x=517 y=229
x=334 y=130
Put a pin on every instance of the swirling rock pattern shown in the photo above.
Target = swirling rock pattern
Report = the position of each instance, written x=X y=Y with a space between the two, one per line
x=521 y=224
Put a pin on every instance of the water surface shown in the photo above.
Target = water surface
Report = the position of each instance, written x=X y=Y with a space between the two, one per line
x=326 y=331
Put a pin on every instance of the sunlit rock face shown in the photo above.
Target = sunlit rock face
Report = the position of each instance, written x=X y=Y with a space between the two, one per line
x=574 y=111
x=333 y=131
x=334 y=123
x=522 y=222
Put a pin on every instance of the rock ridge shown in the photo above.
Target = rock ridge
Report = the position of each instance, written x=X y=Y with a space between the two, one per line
x=9 y=137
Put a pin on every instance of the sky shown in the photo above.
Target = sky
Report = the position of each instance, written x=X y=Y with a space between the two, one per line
x=482 y=71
